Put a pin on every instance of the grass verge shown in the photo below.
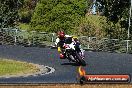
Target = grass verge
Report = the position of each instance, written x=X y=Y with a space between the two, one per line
x=12 y=67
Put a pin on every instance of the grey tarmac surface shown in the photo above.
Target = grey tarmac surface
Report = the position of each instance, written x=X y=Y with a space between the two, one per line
x=65 y=71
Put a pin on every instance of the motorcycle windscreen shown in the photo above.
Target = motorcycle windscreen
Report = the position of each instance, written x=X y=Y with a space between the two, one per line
x=68 y=40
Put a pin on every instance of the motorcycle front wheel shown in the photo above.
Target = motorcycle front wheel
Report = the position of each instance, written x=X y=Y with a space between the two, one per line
x=80 y=60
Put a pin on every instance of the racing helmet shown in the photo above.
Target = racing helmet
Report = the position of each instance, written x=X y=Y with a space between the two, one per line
x=61 y=34
x=75 y=38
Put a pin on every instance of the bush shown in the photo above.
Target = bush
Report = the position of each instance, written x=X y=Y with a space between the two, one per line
x=55 y=15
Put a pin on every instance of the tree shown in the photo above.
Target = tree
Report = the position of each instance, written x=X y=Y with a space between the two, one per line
x=115 y=10
x=26 y=11
x=55 y=15
x=9 y=12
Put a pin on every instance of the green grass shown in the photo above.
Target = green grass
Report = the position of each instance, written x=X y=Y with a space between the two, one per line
x=12 y=67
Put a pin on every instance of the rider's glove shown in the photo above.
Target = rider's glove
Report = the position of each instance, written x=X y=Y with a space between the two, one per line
x=59 y=49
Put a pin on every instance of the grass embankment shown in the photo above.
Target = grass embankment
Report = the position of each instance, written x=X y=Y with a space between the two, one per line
x=12 y=67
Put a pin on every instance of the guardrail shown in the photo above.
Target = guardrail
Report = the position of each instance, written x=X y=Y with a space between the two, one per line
x=25 y=38
x=43 y=39
x=106 y=45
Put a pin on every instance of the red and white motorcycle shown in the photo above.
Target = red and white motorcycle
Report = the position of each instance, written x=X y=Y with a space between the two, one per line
x=73 y=52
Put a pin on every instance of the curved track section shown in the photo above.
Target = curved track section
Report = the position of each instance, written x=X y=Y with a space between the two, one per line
x=65 y=72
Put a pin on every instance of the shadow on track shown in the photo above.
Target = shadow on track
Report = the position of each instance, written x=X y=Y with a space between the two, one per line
x=72 y=64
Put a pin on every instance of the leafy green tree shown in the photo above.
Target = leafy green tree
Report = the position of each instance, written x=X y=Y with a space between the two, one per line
x=9 y=12
x=55 y=15
x=26 y=11
x=115 y=10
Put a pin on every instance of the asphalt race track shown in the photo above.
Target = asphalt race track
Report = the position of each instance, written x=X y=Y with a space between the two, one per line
x=65 y=71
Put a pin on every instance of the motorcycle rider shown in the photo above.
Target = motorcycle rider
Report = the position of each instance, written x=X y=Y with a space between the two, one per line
x=61 y=40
